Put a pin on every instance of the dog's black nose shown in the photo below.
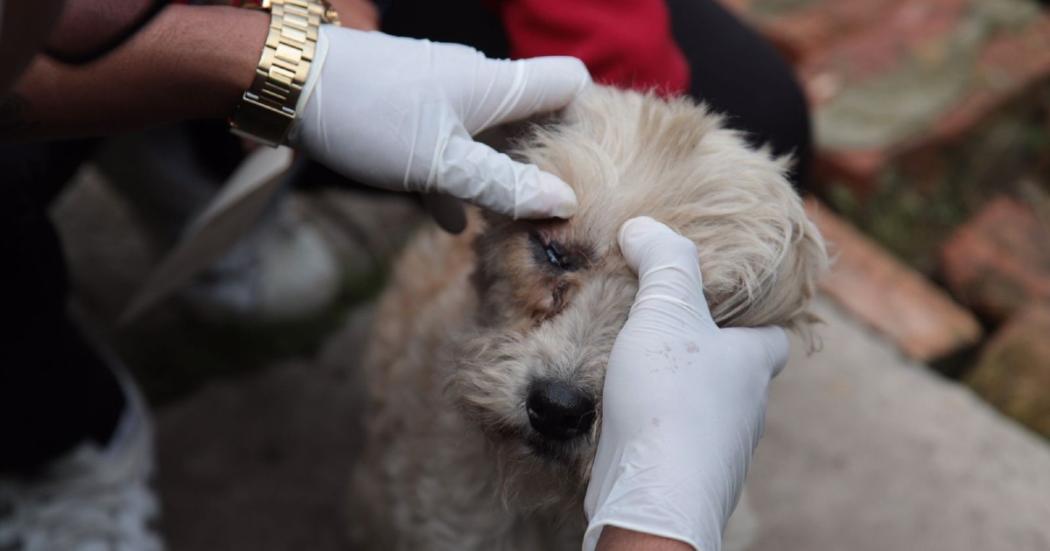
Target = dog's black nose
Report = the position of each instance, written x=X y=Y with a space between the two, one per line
x=558 y=410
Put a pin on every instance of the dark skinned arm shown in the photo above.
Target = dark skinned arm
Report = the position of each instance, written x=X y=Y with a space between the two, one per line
x=189 y=62
x=619 y=539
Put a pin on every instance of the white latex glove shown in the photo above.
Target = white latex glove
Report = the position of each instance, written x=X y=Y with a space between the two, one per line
x=399 y=113
x=683 y=405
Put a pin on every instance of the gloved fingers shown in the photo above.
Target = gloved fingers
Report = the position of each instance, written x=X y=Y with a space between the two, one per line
x=521 y=88
x=446 y=210
x=475 y=172
x=667 y=265
x=771 y=342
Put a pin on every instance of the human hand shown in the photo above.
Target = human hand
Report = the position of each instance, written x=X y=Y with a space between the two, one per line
x=683 y=404
x=399 y=113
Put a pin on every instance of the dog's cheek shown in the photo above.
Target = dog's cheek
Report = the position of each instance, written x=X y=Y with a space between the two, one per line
x=538 y=298
x=537 y=302
x=560 y=292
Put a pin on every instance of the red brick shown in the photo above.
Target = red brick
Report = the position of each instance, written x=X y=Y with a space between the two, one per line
x=941 y=82
x=1014 y=370
x=1009 y=66
x=839 y=46
x=999 y=261
x=891 y=297
x=813 y=26
x=859 y=168
x=893 y=32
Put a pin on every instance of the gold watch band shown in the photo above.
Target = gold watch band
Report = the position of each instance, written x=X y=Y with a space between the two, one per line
x=267 y=109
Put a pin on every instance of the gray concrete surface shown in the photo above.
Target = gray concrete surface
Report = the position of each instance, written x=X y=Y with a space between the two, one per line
x=867 y=451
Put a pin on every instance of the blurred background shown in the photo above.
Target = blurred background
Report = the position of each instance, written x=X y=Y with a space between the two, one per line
x=923 y=423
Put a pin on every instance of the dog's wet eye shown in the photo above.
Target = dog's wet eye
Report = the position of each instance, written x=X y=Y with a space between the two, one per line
x=553 y=253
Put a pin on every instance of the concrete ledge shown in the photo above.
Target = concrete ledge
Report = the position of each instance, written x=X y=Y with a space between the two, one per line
x=865 y=450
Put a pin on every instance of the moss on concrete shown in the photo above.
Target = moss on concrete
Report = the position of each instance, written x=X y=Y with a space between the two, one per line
x=769 y=8
x=932 y=76
x=922 y=197
x=1014 y=371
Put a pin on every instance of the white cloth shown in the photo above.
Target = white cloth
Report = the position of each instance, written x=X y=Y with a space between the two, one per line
x=399 y=113
x=683 y=404
x=91 y=499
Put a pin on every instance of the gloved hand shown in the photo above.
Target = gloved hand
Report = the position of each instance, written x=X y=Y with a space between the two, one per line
x=683 y=404
x=399 y=113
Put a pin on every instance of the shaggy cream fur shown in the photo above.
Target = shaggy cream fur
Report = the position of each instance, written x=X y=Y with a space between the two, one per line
x=470 y=322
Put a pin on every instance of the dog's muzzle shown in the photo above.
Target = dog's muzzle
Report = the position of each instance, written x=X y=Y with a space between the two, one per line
x=558 y=410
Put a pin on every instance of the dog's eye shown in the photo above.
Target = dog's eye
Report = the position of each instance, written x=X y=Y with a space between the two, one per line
x=553 y=253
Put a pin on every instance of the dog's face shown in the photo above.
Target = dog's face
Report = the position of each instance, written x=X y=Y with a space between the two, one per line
x=552 y=299
x=553 y=295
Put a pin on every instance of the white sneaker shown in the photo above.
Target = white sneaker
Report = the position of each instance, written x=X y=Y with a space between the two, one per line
x=284 y=270
x=93 y=499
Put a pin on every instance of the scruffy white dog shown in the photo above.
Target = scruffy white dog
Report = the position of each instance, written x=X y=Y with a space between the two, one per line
x=489 y=350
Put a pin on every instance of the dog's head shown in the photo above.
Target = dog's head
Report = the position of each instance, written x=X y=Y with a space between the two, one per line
x=554 y=294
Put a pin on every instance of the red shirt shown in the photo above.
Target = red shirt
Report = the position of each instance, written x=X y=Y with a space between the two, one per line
x=625 y=43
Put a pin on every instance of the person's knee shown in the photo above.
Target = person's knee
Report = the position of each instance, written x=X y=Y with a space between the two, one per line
x=777 y=113
x=795 y=135
x=737 y=72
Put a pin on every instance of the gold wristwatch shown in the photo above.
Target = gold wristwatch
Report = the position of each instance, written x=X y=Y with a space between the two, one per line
x=267 y=109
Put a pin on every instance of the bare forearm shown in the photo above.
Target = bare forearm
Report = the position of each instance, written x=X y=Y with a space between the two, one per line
x=190 y=62
x=89 y=25
x=618 y=539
